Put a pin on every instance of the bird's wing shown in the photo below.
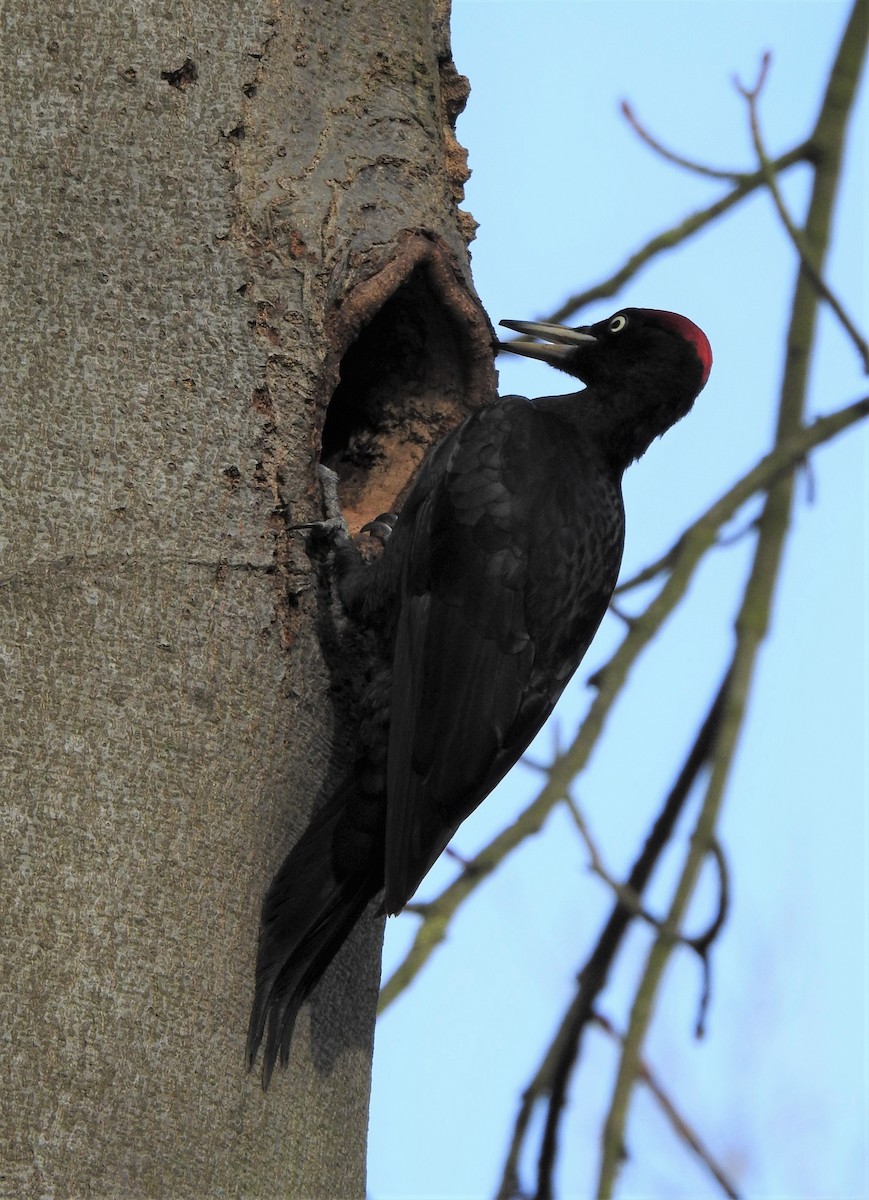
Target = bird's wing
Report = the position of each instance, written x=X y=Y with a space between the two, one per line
x=469 y=690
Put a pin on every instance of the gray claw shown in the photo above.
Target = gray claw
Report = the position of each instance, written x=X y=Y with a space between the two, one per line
x=381 y=527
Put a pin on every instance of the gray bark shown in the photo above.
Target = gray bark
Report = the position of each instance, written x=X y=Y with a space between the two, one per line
x=203 y=205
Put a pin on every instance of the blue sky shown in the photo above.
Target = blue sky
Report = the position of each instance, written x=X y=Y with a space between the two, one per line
x=563 y=192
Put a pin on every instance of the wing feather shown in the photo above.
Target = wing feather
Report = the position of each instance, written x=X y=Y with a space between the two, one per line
x=502 y=590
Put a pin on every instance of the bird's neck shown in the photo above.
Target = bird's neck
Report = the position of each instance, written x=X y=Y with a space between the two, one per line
x=622 y=424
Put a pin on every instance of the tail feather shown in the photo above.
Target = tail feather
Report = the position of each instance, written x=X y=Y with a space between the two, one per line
x=311 y=907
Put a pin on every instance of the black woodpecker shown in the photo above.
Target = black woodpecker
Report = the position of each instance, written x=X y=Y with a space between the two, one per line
x=490 y=588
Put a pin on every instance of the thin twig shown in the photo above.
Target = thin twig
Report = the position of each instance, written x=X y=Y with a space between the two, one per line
x=703 y=943
x=751 y=97
x=675 y=236
x=680 y=1124
x=678 y=160
x=776 y=465
x=626 y=896
x=700 y=943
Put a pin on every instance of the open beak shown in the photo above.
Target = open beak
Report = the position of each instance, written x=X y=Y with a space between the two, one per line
x=560 y=354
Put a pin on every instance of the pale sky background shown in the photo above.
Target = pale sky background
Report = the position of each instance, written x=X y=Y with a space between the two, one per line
x=563 y=192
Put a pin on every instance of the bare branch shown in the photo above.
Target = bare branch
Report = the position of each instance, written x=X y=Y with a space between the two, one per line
x=593 y=975
x=754 y=614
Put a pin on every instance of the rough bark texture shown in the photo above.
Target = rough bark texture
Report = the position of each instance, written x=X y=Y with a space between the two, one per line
x=205 y=206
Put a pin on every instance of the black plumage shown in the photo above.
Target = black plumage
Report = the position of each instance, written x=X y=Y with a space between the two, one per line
x=490 y=589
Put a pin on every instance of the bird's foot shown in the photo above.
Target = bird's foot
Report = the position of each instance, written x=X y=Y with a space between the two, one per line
x=333 y=526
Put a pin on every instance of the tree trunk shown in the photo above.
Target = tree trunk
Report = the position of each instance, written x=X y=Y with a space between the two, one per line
x=206 y=207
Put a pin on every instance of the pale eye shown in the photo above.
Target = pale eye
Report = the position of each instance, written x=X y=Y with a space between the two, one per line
x=618 y=323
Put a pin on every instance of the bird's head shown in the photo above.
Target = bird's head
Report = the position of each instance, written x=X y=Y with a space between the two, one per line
x=633 y=344
x=644 y=368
